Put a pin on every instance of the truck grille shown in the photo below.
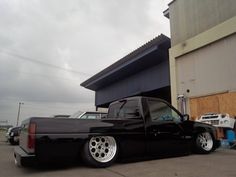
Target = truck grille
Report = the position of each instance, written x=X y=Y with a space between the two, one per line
x=210 y=117
x=212 y=122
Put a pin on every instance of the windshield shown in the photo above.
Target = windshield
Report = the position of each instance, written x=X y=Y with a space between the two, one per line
x=89 y=115
x=76 y=114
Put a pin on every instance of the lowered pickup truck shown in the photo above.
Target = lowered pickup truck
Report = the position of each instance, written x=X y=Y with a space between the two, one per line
x=135 y=126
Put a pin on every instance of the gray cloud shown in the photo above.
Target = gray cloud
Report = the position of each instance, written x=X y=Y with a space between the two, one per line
x=84 y=36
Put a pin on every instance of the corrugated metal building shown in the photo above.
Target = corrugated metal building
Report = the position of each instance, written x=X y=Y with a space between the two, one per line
x=202 y=55
x=145 y=72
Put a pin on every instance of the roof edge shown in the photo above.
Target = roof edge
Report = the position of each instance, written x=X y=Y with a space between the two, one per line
x=150 y=44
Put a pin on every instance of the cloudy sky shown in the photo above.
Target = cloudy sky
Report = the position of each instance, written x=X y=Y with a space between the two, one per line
x=49 y=47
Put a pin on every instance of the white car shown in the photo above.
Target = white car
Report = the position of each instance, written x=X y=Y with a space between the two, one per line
x=89 y=115
x=218 y=120
x=8 y=133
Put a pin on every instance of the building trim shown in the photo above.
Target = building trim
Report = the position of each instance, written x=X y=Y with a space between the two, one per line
x=214 y=34
x=105 y=75
x=160 y=43
x=210 y=94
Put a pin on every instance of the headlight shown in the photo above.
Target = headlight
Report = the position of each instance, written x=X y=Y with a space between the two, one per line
x=207 y=122
x=226 y=121
x=12 y=134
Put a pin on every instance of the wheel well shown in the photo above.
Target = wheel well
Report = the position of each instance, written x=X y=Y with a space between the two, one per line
x=201 y=130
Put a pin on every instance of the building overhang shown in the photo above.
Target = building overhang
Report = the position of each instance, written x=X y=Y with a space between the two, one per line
x=151 y=53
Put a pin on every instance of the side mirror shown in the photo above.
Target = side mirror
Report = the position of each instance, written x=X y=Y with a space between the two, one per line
x=185 y=117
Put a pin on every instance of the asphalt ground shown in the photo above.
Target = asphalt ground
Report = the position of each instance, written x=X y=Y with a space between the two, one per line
x=221 y=163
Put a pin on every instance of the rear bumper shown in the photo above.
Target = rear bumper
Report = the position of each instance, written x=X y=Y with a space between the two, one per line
x=22 y=158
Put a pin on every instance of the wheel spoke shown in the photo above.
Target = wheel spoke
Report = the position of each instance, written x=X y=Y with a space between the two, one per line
x=205 y=141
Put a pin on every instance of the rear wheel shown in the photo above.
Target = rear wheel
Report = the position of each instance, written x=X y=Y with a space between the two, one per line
x=100 y=151
x=204 y=143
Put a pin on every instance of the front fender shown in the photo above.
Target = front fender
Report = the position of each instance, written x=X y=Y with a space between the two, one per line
x=200 y=127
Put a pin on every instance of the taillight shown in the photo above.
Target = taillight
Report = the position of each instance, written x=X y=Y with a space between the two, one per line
x=31 y=136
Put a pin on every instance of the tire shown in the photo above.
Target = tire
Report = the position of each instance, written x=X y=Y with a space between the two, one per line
x=204 y=143
x=100 y=151
x=12 y=142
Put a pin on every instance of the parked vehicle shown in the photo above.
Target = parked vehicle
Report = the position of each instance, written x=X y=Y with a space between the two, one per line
x=89 y=115
x=8 y=133
x=12 y=135
x=136 y=126
x=61 y=116
x=218 y=120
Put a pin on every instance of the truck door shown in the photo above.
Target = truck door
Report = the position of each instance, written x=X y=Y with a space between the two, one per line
x=164 y=131
x=131 y=128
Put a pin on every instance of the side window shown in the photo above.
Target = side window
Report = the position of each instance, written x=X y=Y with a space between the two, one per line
x=124 y=109
x=84 y=117
x=160 y=111
x=92 y=116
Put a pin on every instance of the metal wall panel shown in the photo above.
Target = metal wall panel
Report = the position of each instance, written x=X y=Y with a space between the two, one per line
x=150 y=79
x=191 y=17
x=208 y=70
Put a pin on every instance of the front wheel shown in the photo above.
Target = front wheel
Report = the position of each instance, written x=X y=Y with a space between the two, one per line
x=100 y=151
x=204 y=143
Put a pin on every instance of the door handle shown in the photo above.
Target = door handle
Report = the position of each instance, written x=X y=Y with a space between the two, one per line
x=156 y=132
x=161 y=132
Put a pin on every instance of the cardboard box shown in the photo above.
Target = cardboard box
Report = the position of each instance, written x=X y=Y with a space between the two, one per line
x=220 y=133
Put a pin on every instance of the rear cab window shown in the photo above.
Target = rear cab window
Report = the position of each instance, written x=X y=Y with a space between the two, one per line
x=128 y=109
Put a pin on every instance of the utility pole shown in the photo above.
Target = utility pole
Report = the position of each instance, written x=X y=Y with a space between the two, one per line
x=18 y=115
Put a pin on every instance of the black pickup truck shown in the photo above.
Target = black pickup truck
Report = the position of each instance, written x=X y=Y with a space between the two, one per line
x=134 y=127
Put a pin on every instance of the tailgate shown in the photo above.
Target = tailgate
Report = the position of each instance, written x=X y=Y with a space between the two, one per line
x=24 y=135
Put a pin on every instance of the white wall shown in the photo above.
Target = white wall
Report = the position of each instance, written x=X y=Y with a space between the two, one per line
x=208 y=70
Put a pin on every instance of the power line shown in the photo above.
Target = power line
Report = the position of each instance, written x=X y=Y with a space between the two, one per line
x=41 y=105
x=41 y=63
x=43 y=75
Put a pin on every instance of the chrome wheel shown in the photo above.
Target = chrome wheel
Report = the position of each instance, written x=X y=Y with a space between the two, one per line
x=205 y=141
x=102 y=148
